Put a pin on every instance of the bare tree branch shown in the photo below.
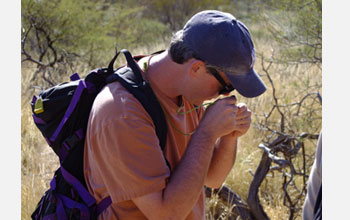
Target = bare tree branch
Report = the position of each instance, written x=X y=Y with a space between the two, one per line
x=232 y=199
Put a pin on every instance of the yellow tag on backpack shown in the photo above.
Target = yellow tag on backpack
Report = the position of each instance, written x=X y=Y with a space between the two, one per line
x=39 y=107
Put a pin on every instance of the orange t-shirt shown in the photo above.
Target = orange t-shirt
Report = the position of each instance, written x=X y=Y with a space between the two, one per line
x=123 y=158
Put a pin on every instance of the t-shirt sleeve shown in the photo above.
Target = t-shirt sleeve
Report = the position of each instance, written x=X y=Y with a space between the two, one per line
x=125 y=151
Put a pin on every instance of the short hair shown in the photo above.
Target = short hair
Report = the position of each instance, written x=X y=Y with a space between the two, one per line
x=179 y=51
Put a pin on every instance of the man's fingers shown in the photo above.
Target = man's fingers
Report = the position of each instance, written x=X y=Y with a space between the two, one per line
x=242 y=115
x=243 y=121
x=242 y=107
x=232 y=100
x=242 y=128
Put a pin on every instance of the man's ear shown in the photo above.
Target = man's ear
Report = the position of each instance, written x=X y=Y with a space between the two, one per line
x=196 y=67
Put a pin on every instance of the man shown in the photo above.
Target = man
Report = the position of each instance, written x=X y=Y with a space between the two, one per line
x=211 y=55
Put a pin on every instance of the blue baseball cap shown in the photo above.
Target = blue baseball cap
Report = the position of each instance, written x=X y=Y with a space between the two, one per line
x=221 y=40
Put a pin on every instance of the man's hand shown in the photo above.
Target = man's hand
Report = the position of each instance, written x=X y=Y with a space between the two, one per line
x=243 y=120
x=220 y=118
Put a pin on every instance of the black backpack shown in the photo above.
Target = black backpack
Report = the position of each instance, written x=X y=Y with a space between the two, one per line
x=61 y=113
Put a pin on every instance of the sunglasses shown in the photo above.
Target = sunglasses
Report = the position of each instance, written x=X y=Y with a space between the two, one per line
x=225 y=88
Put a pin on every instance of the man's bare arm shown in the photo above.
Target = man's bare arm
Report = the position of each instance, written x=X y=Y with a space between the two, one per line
x=224 y=155
x=187 y=180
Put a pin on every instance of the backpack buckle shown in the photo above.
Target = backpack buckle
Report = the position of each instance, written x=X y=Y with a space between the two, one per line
x=72 y=140
x=69 y=143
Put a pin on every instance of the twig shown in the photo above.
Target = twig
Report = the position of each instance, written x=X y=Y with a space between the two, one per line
x=232 y=199
x=253 y=198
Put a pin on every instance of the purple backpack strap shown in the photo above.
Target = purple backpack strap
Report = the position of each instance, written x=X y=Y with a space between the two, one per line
x=103 y=205
x=50 y=217
x=69 y=203
x=63 y=201
x=82 y=191
x=60 y=212
x=40 y=209
x=38 y=120
x=73 y=103
x=74 y=77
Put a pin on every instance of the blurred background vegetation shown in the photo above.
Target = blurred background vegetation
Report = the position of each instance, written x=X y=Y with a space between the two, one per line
x=60 y=37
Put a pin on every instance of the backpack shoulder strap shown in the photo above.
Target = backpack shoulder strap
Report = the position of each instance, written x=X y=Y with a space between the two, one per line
x=131 y=78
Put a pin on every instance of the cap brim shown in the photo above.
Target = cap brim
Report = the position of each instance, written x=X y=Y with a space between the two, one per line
x=248 y=85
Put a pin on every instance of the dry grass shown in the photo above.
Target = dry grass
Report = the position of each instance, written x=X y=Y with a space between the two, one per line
x=39 y=161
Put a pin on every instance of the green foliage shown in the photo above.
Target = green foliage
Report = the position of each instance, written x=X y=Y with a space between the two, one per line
x=176 y=13
x=61 y=27
x=129 y=27
x=297 y=27
x=61 y=30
